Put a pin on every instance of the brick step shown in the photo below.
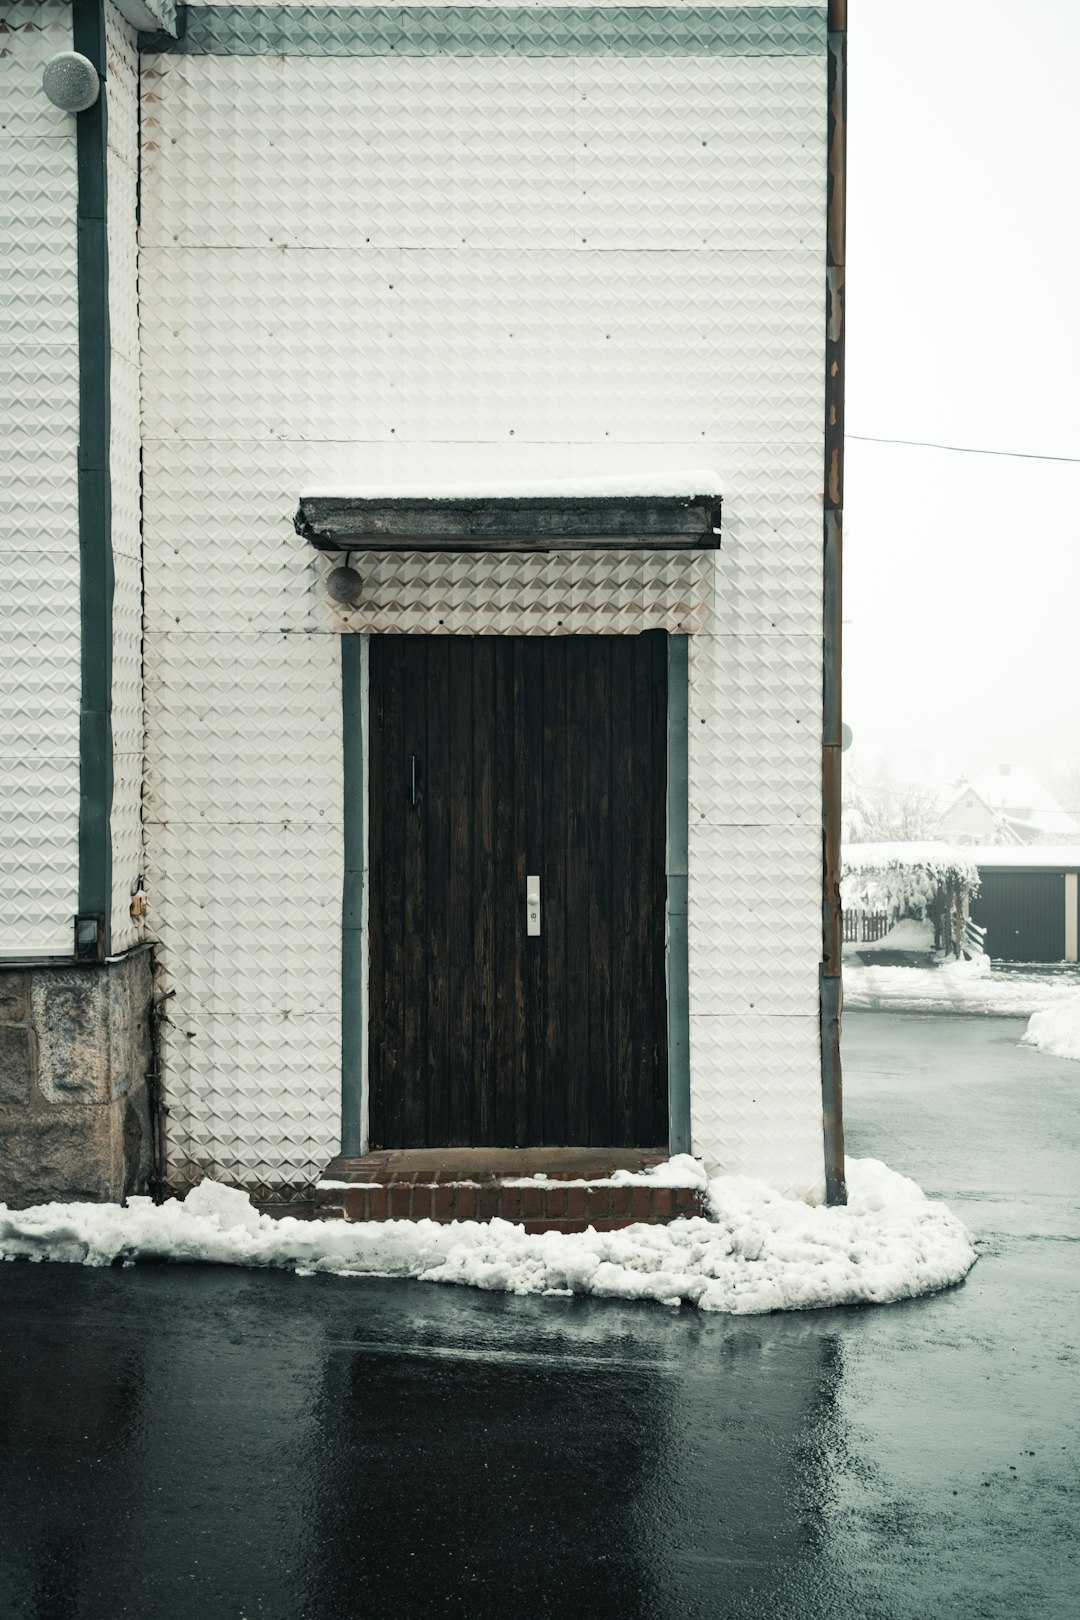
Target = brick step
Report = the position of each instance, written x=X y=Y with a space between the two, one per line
x=465 y=1164
x=545 y=1207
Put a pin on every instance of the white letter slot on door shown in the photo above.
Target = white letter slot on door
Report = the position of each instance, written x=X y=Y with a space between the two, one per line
x=532 y=904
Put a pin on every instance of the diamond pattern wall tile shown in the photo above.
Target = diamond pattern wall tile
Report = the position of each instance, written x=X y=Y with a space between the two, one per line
x=770 y=579
x=39 y=294
x=34 y=33
x=620 y=5
x=125 y=468
x=609 y=593
x=122 y=67
x=567 y=31
x=39 y=492
x=200 y=1085
x=39 y=859
x=243 y=727
x=124 y=456
x=39 y=600
x=754 y=919
x=252 y=1099
x=41 y=587
x=40 y=690
x=726 y=153
x=244 y=493
x=127 y=845
x=39 y=426
x=123 y=262
x=127 y=717
x=634 y=346
x=353 y=298
x=288 y=1095
x=235 y=940
x=442 y=156
x=41 y=682
x=756 y=1100
x=755 y=729
x=269 y=344
x=436 y=346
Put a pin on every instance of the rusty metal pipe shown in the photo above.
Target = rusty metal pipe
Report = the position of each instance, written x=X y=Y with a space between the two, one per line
x=830 y=983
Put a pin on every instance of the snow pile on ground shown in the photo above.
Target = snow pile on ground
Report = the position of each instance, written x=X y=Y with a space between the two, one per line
x=757 y=1252
x=1056 y=1030
x=681 y=1170
x=965 y=986
x=908 y=934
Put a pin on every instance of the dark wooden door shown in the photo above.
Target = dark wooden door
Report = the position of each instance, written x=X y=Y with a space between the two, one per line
x=492 y=758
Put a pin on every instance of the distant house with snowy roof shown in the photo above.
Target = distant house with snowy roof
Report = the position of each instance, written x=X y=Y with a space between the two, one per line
x=381 y=674
x=1006 y=804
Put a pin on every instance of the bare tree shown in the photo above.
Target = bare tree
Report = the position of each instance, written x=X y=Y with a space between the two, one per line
x=881 y=810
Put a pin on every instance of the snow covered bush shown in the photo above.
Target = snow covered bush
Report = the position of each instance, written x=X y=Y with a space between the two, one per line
x=906 y=880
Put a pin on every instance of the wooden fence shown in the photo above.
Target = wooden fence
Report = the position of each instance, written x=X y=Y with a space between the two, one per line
x=862 y=927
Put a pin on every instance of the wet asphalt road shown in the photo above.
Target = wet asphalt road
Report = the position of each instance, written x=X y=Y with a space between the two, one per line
x=208 y=1444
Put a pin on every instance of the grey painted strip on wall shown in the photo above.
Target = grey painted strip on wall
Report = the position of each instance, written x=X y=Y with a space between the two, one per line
x=496 y=31
x=95 y=489
x=678 y=953
x=352 y=943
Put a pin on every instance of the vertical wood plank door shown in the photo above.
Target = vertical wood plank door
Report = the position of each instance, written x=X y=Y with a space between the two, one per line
x=492 y=759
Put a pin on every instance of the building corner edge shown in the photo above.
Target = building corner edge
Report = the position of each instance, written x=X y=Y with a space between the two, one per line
x=830 y=997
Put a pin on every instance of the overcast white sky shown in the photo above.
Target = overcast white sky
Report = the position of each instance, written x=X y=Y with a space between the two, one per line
x=962 y=573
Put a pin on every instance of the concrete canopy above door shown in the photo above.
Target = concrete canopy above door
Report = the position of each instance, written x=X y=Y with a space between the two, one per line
x=550 y=521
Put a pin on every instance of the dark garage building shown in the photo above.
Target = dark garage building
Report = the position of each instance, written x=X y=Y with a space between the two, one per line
x=1028 y=902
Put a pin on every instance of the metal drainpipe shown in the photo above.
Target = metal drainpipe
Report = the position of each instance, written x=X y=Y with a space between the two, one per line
x=830 y=984
x=96 y=581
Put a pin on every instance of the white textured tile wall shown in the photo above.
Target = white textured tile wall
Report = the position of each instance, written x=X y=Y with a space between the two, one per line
x=495 y=267
x=745 y=5
x=127 y=695
x=39 y=535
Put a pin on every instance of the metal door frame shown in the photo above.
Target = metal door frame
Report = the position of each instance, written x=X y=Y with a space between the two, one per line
x=354 y=933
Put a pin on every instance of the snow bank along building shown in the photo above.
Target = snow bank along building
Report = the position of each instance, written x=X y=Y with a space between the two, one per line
x=465 y=767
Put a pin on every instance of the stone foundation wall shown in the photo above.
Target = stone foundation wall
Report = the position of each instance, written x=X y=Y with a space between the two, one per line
x=74 y=1055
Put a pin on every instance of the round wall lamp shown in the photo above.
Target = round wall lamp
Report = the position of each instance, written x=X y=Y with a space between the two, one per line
x=71 y=81
x=344 y=586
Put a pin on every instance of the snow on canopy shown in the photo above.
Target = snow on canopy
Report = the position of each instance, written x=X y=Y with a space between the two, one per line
x=683 y=482
x=905 y=879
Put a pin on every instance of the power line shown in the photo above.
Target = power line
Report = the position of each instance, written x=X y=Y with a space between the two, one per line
x=962 y=449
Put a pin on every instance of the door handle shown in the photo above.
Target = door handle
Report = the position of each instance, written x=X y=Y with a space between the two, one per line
x=532 y=905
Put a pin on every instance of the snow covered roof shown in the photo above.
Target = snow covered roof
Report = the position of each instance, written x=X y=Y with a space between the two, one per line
x=1016 y=792
x=913 y=852
x=1052 y=857
x=965 y=791
x=695 y=481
